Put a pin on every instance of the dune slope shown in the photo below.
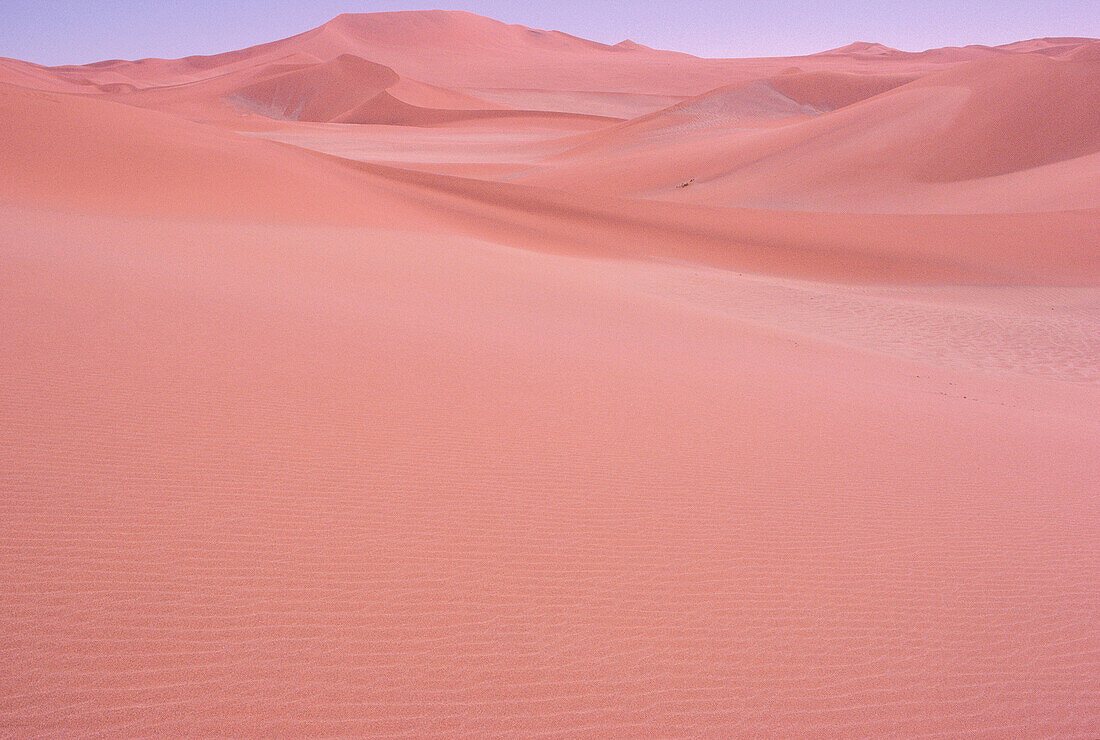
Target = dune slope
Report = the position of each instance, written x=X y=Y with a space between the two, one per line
x=953 y=141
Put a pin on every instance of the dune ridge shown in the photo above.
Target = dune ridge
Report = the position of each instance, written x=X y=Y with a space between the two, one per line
x=909 y=148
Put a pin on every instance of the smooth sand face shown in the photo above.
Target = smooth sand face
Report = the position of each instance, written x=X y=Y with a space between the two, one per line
x=466 y=419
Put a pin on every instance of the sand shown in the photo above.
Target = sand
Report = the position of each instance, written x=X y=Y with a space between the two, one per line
x=353 y=388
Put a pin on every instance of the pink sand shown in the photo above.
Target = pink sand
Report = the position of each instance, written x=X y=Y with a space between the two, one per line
x=352 y=386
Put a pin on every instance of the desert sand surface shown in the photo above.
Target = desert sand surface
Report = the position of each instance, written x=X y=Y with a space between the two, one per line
x=426 y=376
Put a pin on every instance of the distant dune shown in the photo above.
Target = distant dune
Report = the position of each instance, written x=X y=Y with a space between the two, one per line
x=1014 y=135
x=422 y=375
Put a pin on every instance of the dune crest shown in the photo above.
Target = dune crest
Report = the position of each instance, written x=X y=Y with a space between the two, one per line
x=323 y=92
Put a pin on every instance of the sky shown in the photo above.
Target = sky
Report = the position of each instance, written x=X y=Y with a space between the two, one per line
x=79 y=31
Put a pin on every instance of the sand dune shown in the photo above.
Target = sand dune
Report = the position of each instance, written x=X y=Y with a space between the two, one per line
x=323 y=92
x=454 y=49
x=828 y=91
x=1022 y=112
x=909 y=149
x=784 y=98
x=349 y=89
x=422 y=375
x=74 y=153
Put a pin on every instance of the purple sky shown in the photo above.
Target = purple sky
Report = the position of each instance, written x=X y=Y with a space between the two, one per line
x=76 y=31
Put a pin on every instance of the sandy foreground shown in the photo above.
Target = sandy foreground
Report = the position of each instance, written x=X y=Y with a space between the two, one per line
x=506 y=383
